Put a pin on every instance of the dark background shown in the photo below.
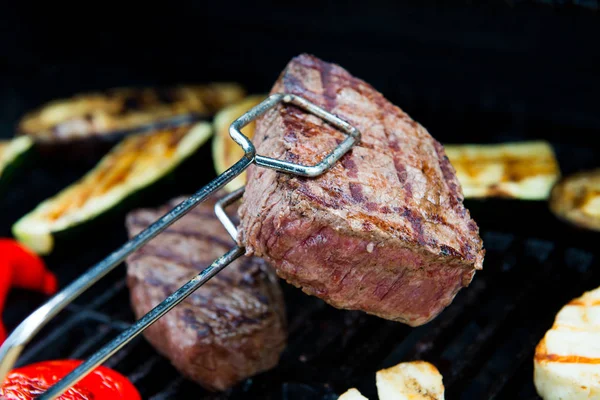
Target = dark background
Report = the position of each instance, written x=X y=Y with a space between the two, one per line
x=525 y=69
x=469 y=71
x=476 y=71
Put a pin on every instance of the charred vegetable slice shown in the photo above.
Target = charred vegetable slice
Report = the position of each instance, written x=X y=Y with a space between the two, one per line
x=137 y=162
x=12 y=153
x=576 y=199
x=119 y=111
x=525 y=170
x=225 y=151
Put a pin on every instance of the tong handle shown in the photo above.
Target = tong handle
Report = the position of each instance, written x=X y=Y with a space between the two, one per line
x=16 y=342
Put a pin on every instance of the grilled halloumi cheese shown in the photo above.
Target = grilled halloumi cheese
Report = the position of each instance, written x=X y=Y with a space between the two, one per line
x=576 y=199
x=525 y=170
x=567 y=359
x=352 y=394
x=417 y=380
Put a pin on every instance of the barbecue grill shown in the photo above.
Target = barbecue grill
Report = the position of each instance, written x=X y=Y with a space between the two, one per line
x=483 y=343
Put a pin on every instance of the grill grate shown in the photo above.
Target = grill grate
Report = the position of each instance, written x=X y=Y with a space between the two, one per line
x=483 y=343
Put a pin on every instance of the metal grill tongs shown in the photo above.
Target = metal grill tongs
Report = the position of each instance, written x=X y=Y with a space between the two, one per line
x=16 y=342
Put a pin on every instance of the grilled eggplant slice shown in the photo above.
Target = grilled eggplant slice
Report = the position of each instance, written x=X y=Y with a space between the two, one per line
x=138 y=162
x=567 y=359
x=576 y=199
x=12 y=155
x=526 y=170
x=93 y=119
x=225 y=151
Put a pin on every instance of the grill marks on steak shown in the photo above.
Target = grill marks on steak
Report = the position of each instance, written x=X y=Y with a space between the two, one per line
x=231 y=328
x=384 y=230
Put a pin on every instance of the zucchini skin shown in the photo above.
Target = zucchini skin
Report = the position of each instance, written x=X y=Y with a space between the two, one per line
x=24 y=159
x=183 y=178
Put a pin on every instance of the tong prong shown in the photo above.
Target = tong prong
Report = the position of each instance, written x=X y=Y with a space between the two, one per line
x=220 y=206
x=26 y=330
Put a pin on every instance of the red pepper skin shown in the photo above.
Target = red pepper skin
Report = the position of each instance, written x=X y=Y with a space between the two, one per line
x=28 y=270
x=101 y=384
x=20 y=267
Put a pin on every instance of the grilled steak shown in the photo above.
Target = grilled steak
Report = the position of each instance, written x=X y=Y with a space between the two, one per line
x=385 y=230
x=231 y=328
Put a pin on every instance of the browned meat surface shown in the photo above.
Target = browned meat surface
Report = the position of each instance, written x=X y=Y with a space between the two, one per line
x=231 y=328
x=385 y=230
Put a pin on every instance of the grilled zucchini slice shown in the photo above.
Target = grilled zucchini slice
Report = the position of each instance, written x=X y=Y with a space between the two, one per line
x=525 y=170
x=91 y=120
x=138 y=162
x=12 y=155
x=576 y=199
x=567 y=359
x=225 y=151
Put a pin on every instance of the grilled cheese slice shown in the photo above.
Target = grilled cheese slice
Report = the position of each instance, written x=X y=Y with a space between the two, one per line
x=417 y=380
x=567 y=359
x=525 y=170
x=352 y=394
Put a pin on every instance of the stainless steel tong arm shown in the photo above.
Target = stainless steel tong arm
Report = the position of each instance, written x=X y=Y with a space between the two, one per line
x=20 y=337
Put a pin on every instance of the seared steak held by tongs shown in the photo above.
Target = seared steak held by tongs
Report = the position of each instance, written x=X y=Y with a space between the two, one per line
x=231 y=328
x=385 y=230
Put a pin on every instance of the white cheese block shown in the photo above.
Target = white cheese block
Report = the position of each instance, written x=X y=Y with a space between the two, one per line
x=418 y=380
x=567 y=359
x=352 y=394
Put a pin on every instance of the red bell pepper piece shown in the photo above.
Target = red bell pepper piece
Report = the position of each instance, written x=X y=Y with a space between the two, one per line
x=21 y=268
x=101 y=384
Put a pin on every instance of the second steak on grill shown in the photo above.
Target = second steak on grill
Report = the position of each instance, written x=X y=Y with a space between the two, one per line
x=231 y=328
x=385 y=230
